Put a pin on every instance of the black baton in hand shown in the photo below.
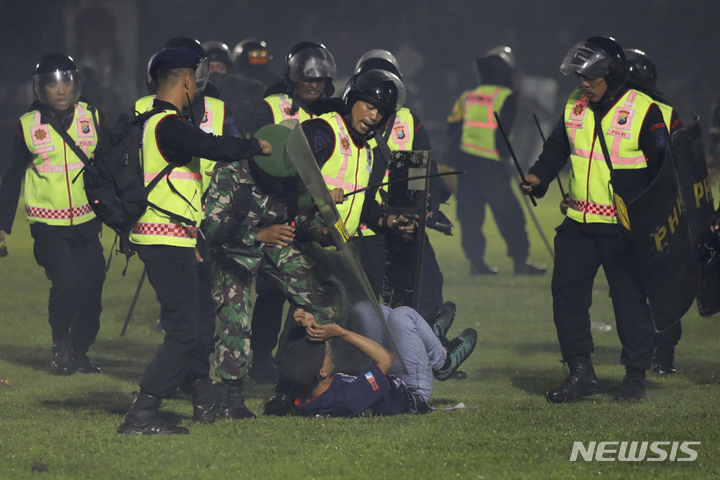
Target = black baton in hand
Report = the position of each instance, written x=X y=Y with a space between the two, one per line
x=512 y=154
x=542 y=135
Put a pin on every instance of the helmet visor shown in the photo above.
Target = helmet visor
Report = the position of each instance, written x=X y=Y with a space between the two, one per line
x=372 y=86
x=587 y=61
x=202 y=74
x=311 y=63
x=58 y=89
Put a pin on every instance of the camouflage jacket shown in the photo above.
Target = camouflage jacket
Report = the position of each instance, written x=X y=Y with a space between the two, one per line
x=239 y=205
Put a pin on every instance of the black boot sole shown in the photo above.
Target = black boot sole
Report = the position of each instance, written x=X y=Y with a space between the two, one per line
x=592 y=389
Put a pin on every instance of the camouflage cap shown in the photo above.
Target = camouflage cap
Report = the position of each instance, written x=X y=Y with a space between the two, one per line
x=276 y=164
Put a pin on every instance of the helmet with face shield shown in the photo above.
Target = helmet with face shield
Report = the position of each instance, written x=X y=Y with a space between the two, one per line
x=379 y=59
x=379 y=87
x=598 y=57
x=307 y=61
x=56 y=81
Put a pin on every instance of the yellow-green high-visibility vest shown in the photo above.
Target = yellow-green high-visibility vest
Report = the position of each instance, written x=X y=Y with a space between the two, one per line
x=402 y=135
x=479 y=125
x=348 y=168
x=281 y=105
x=51 y=197
x=154 y=227
x=213 y=121
x=591 y=194
x=667 y=112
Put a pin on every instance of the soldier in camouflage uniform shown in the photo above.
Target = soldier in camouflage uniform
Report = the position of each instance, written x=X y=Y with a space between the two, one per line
x=255 y=219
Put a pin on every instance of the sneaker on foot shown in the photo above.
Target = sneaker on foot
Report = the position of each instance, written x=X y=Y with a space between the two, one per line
x=443 y=319
x=459 y=350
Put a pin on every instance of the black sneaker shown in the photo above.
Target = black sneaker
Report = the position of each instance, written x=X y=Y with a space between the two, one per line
x=61 y=361
x=523 y=267
x=82 y=364
x=483 y=269
x=459 y=350
x=632 y=388
x=442 y=320
x=663 y=361
x=580 y=382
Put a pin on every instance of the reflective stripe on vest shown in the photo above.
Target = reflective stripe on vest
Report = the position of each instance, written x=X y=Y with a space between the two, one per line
x=281 y=105
x=51 y=197
x=479 y=125
x=213 y=121
x=348 y=167
x=590 y=191
x=154 y=227
x=667 y=112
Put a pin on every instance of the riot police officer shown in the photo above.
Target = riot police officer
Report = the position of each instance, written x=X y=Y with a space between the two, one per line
x=62 y=224
x=252 y=60
x=482 y=155
x=632 y=126
x=308 y=75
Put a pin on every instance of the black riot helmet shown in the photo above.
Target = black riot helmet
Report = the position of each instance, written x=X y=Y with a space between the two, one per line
x=496 y=66
x=639 y=62
x=218 y=52
x=379 y=87
x=202 y=72
x=251 y=53
x=61 y=70
x=598 y=57
x=378 y=60
x=308 y=60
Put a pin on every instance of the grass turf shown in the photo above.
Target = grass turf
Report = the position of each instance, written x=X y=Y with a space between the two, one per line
x=507 y=431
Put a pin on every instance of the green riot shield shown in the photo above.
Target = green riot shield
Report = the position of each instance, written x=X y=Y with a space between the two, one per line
x=339 y=268
x=404 y=253
x=664 y=247
x=698 y=201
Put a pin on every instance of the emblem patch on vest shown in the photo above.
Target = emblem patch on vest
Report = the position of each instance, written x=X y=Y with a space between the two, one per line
x=40 y=135
x=623 y=118
x=207 y=120
x=578 y=108
x=400 y=132
x=85 y=128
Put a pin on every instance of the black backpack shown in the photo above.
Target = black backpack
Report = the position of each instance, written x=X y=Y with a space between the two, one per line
x=114 y=178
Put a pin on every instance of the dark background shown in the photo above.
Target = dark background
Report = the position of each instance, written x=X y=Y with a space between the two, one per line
x=435 y=42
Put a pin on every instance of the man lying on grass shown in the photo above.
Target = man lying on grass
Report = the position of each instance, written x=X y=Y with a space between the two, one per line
x=308 y=364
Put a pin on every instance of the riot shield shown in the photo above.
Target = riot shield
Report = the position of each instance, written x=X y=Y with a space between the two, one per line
x=663 y=245
x=339 y=268
x=403 y=259
x=698 y=201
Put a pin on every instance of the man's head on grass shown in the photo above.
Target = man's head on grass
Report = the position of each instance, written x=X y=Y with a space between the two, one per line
x=307 y=363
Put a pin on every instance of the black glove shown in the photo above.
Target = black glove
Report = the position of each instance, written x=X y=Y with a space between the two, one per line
x=440 y=222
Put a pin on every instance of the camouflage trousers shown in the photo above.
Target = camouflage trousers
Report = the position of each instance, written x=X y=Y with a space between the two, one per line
x=231 y=291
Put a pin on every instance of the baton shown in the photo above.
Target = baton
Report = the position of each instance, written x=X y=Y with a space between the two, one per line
x=512 y=154
x=420 y=177
x=542 y=135
x=132 y=305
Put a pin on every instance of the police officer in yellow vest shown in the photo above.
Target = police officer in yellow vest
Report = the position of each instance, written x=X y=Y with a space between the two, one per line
x=403 y=130
x=636 y=137
x=483 y=156
x=167 y=247
x=62 y=224
x=309 y=72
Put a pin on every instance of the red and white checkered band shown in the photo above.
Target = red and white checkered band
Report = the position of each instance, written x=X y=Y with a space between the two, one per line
x=165 y=229
x=57 y=214
x=593 y=208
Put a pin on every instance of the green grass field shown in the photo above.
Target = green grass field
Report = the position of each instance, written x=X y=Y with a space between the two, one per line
x=507 y=431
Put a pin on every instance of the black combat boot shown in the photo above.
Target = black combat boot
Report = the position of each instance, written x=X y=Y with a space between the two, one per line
x=483 y=269
x=61 y=361
x=82 y=364
x=523 y=267
x=581 y=381
x=632 y=388
x=143 y=418
x=663 y=361
x=235 y=406
x=280 y=402
x=208 y=399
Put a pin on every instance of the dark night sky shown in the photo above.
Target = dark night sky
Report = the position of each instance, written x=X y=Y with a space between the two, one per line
x=680 y=36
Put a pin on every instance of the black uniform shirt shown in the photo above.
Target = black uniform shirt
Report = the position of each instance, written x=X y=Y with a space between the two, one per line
x=179 y=141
